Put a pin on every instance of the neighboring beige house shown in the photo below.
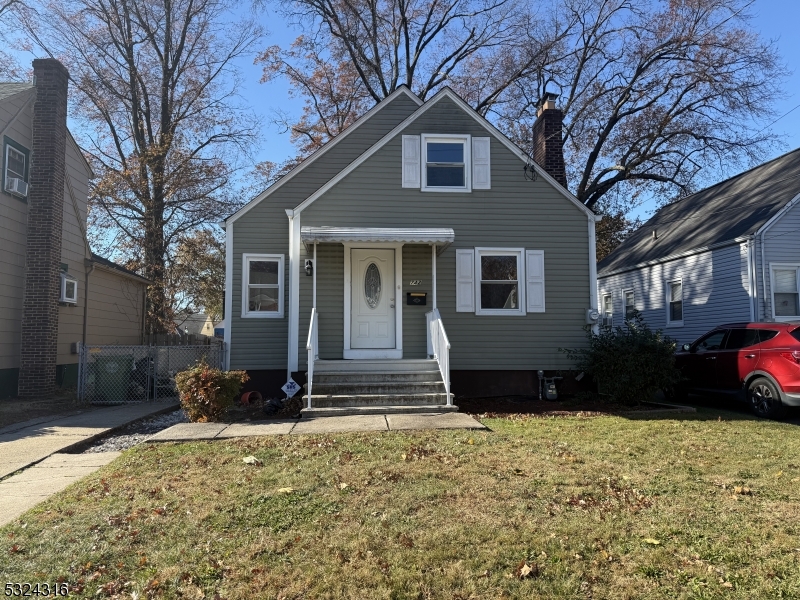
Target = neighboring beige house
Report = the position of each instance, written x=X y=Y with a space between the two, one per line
x=46 y=258
x=194 y=324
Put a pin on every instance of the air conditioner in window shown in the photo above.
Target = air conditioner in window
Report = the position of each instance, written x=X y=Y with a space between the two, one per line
x=69 y=289
x=17 y=186
x=607 y=321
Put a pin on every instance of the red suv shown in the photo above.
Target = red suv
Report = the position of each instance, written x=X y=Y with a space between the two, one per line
x=757 y=362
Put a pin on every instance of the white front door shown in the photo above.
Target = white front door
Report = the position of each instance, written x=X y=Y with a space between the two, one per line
x=372 y=294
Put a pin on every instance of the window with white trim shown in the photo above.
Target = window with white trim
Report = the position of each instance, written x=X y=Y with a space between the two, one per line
x=785 y=291
x=628 y=304
x=262 y=285
x=15 y=166
x=608 y=310
x=446 y=163
x=69 y=289
x=675 y=303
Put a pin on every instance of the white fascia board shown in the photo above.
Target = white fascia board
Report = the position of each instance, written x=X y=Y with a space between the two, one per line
x=671 y=257
x=776 y=217
x=446 y=93
x=324 y=150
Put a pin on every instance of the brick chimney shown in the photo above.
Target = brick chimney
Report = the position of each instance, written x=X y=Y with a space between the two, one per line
x=37 y=374
x=548 y=146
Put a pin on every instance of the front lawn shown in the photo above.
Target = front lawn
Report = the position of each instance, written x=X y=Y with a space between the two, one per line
x=703 y=506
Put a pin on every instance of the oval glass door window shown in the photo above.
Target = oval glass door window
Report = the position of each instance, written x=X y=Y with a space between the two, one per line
x=372 y=285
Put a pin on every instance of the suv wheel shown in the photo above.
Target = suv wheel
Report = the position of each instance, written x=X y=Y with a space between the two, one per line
x=764 y=398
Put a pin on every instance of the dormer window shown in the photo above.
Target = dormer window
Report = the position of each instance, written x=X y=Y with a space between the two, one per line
x=447 y=160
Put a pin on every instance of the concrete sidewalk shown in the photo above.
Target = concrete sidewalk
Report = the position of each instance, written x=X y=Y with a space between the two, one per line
x=25 y=444
x=25 y=490
x=213 y=431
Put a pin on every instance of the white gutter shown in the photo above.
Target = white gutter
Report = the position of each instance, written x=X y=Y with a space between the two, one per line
x=228 y=316
x=593 y=266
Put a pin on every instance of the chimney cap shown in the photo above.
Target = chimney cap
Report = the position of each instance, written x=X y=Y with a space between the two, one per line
x=550 y=97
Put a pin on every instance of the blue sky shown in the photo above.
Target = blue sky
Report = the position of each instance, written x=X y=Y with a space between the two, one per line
x=774 y=19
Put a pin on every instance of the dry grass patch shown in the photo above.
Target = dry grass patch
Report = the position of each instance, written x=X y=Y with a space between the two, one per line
x=559 y=508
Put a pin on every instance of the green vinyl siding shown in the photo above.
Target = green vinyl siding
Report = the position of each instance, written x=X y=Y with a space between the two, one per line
x=264 y=229
x=515 y=213
x=416 y=266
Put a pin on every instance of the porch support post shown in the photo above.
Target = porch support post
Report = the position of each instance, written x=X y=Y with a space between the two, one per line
x=433 y=275
x=294 y=292
x=314 y=272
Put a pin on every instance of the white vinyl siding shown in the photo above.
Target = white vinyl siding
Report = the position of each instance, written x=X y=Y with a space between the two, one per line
x=534 y=285
x=465 y=280
x=481 y=163
x=262 y=285
x=411 y=161
x=785 y=279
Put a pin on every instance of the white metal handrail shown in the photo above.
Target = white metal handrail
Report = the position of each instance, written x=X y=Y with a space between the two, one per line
x=312 y=345
x=439 y=347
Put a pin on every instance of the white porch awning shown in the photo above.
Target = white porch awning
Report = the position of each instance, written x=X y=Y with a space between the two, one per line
x=439 y=236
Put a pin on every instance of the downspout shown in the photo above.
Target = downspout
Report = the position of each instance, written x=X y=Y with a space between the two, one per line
x=593 y=267
x=764 y=274
x=86 y=263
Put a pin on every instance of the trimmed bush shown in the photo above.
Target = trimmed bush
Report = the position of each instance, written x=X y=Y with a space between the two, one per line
x=207 y=393
x=628 y=364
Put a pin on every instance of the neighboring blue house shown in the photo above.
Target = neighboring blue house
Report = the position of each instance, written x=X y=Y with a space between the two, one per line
x=728 y=253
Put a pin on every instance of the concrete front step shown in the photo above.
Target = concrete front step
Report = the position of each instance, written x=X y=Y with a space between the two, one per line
x=373 y=376
x=352 y=400
x=376 y=410
x=383 y=365
x=376 y=387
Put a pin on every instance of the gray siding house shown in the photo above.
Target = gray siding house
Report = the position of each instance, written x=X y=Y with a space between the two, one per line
x=730 y=253
x=416 y=240
x=54 y=291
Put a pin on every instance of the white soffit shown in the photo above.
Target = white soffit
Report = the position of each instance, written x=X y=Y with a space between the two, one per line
x=441 y=236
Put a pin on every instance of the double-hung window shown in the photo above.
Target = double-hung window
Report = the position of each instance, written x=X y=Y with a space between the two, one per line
x=608 y=311
x=446 y=160
x=15 y=168
x=262 y=285
x=785 y=291
x=675 y=303
x=628 y=304
x=499 y=279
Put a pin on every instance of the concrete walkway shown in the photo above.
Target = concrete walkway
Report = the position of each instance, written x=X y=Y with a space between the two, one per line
x=25 y=444
x=25 y=490
x=183 y=432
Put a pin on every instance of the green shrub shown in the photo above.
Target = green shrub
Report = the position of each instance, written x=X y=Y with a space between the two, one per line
x=628 y=364
x=207 y=393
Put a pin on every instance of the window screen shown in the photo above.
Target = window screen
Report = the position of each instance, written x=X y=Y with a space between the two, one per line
x=786 y=293
x=675 y=301
x=499 y=282
x=15 y=163
x=445 y=164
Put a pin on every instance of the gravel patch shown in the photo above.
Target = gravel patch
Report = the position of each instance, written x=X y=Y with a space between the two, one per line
x=136 y=433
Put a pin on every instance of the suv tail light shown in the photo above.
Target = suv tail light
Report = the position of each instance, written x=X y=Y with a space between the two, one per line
x=792 y=356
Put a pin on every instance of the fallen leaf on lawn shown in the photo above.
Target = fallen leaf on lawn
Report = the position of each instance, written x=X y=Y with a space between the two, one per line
x=484 y=574
x=251 y=460
x=287 y=490
x=652 y=542
x=727 y=584
x=343 y=486
x=743 y=490
x=796 y=479
x=470 y=441
x=525 y=570
x=779 y=473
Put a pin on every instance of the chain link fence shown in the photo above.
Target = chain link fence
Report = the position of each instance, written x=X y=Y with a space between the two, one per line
x=123 y=374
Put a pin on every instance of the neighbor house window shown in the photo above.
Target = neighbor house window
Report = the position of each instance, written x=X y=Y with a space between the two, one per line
x=499 y=284
x=262 y=285
x=674 y=303
x=446 y=163
x=628 y=304
x=607 y=318
x=786 y=293
x=15 y=168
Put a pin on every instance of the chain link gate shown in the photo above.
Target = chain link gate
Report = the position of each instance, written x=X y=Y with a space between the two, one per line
x=123 y=374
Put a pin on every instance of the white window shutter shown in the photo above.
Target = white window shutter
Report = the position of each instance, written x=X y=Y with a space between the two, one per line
x=481 y=164
x=534 y=280
x=465 y=280
x=411 y=161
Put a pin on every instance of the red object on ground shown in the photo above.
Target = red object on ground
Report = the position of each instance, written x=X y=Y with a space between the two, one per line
x=759 y=362
x=248 y=397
